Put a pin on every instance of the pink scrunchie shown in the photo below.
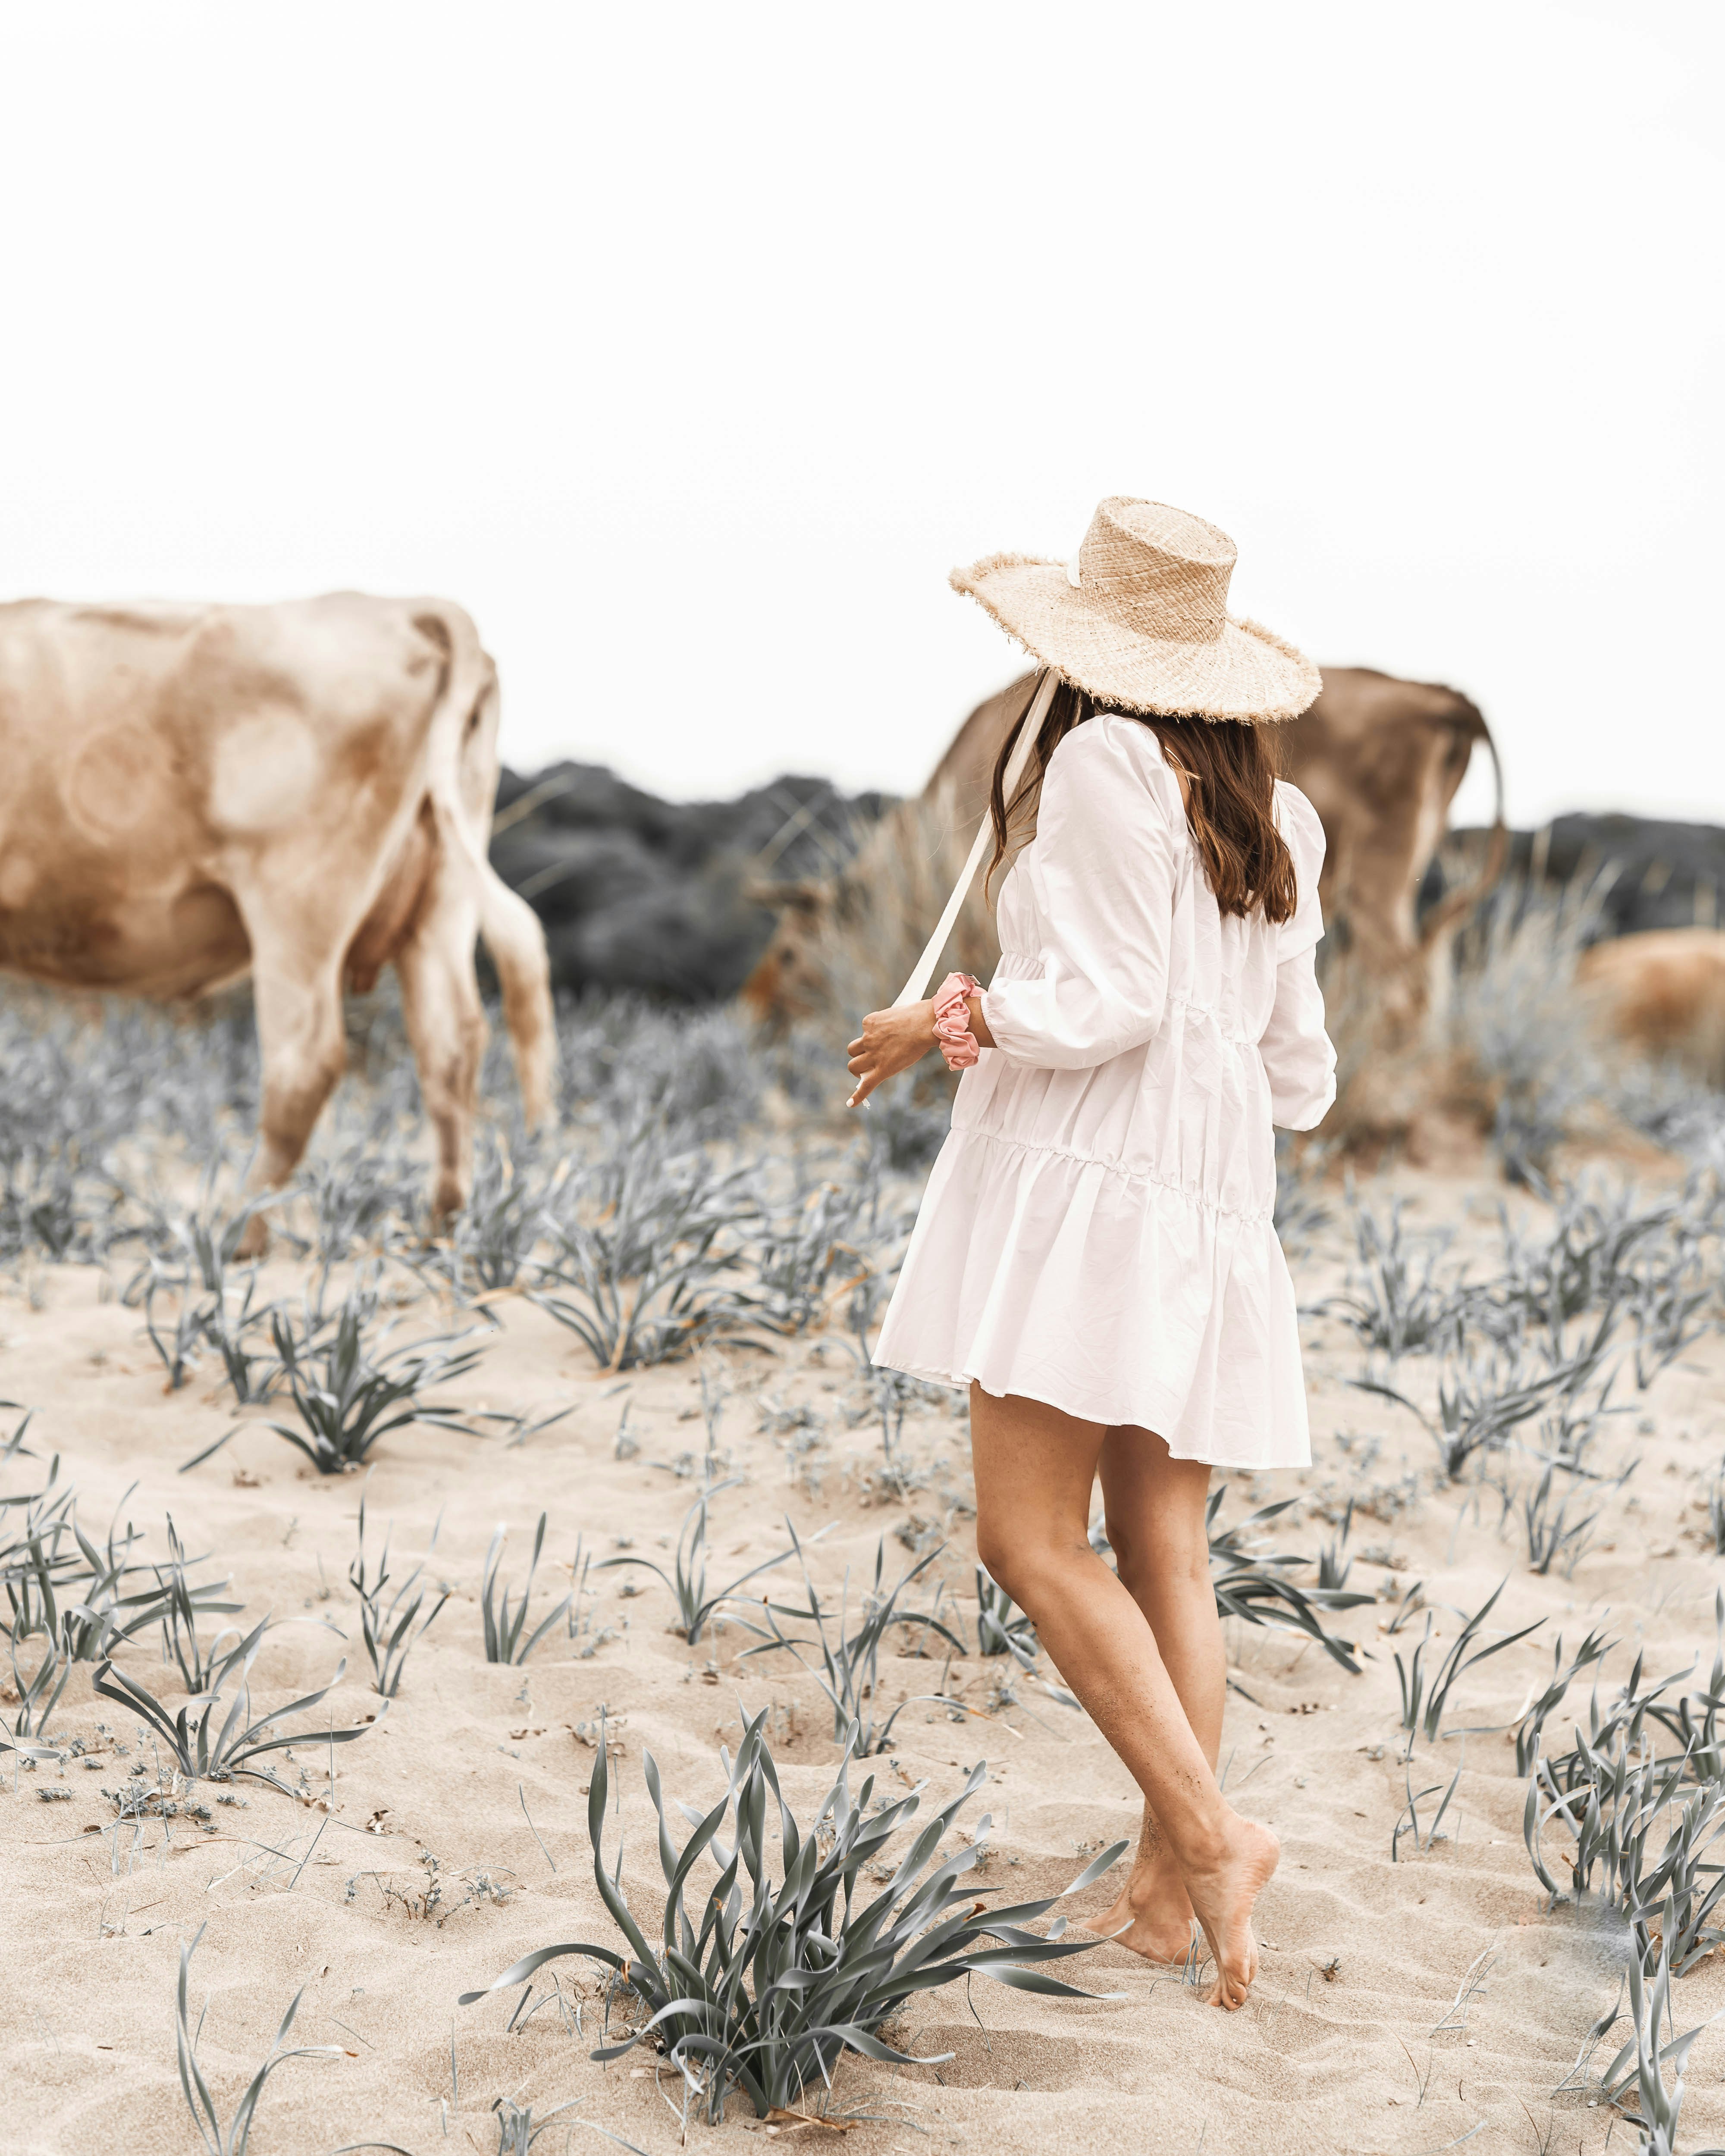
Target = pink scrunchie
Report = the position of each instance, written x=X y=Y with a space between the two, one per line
x=951 y=1020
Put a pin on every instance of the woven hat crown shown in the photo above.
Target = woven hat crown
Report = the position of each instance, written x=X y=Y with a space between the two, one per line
x=1139 y=619
x=1158 y=571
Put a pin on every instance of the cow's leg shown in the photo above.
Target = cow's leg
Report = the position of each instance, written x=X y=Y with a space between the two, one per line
x=302 y=1046
x=516 y=943
x=446 y=1025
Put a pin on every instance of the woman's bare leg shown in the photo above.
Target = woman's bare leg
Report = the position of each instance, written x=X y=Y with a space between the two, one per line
x=1155 y=1513
x=1034 y=1467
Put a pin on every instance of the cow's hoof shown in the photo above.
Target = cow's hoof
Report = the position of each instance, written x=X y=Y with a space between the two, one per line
x=255 y=1242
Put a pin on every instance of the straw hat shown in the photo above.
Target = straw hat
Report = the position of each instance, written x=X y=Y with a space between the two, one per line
x=1140 y=618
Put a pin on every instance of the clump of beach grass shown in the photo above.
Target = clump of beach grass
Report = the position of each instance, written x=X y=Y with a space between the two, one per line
x=646 y=1241
x=757 y=1984
x=843 y=1655
x=507 y=1639
x=696 y=1603
x=349 y=1396
x=204 y=1748
x=393 y=1619
x=1425 y=1691
x=234 y=2137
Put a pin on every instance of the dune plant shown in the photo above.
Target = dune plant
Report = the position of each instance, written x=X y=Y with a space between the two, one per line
x=1610 y=1796
x=1481 y=1398
x=488 y=1248
x=206 y=1749
x=1425 y=1691
x=1638 y=2072
x=235 y=2138
x=1577 y=1419
x=1716 y=1510
x=646 y=1242
x=757 y=1984
x=507 y=1639
x=394 y=1619
x=301 y=1328
x=361 y=1190
x=1334 y=1564
x=696 y=1603
x=1529 y=1729
x=190 y=1267
x=817 y=1249
x=82 y=1593
x=1001 y=1628
x=1553 y=1536
x=38 y=1694
x=1584 y=1261
x=1393 y=1303
x=518 y=2130
x=1672 y=1306
x=1629 y=1721
x=178 y=1340
x=1694 y=1719
x=909 y=1123
x=1408 y=1822
x=32 y=1521
x=493 y=1239
x=201 y=1670
x=844 y=1660
x=55 y=1201
x=1684 y=1889
x=623 y=1058
x=41 y=1573
x=1254 y=1584
x=349 y=1398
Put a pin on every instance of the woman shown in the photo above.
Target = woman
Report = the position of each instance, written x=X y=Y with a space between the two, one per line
x=1095 y=1257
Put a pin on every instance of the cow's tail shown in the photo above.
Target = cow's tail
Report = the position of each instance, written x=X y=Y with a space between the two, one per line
x=1456 y=905
x=463 y=745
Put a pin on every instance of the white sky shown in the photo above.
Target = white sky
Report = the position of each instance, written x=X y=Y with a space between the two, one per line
x=690 y=346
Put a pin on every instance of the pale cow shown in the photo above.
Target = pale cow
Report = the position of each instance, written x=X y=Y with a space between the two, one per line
x=299 y=792
x=1380 y=760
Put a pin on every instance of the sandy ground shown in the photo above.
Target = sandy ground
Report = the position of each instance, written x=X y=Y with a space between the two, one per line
x=1350 y=2042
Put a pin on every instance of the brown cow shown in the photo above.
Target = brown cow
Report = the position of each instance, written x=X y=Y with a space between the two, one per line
x=1379 y=759
x=1662 y=993
x=301 y=792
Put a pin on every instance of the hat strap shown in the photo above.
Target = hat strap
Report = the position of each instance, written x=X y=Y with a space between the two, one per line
x=915 y=988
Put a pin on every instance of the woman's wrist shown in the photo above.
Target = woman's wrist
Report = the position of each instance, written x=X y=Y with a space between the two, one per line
x=952 y=1015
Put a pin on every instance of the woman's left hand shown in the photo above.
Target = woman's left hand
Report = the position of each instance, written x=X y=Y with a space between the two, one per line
x=891 y=1041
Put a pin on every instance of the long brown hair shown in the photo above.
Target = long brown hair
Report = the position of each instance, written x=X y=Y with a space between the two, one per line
x=1230 y=770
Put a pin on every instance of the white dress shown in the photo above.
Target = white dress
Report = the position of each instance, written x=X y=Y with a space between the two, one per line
x=1096 y=1231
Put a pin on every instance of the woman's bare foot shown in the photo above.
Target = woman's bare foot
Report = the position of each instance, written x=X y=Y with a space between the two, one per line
x=1154 y=1915
x=1222 y=1895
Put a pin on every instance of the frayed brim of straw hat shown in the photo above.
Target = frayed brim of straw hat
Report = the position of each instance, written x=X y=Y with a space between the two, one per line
x=1246 y=673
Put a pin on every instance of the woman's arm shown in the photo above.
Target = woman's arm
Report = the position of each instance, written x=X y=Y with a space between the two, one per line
x=1110 y=832
x=1107 y=836
x=892 y=1040
x=1298 y=1059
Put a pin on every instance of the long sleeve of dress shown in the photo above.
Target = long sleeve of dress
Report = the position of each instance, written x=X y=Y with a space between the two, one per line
x=1103 y=864
x=1298 y=1058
